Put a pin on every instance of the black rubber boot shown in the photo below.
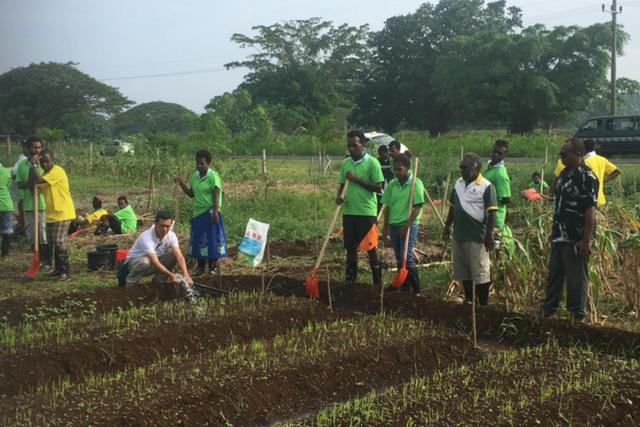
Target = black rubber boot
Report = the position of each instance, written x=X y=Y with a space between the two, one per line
x=213 y=267
x=45 y=257
x=468 y=291
x=201 y=264
x=6 y=244
x=376 y=273
x=414 y=281
x=350 y=274
x=64 y=265
x=482 y=293
x=57 y=263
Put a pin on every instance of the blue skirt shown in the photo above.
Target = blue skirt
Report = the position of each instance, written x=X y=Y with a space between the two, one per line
x=208 y=240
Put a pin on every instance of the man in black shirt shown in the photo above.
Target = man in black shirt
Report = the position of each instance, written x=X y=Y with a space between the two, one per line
x=574 y=220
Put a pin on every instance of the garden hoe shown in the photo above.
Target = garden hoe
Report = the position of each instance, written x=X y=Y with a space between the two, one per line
x=311 y=281
x=35 y=260
x=401 y=275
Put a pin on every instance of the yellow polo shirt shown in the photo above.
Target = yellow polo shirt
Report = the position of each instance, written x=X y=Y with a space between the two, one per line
x=94 y=217
x=600 y=166
x=57 y=195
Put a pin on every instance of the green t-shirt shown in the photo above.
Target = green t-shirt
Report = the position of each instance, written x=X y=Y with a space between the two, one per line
x=499 y=178
x=359 y=200
x=537 y=186
x=470 y=206
x=396 y=198
x=22 y=175
x=6 y=204
x=203 y=191
x=128 y=219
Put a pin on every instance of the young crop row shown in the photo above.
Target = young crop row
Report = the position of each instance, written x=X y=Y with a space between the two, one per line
x=534 y=386
x=64 y=330
x=212 y=377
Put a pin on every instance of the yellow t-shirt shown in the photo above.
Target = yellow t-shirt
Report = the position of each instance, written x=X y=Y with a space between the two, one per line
x=57 y=195
x=95 y=216
x=600 y=166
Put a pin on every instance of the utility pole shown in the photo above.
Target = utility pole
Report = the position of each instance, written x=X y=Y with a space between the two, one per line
x=614 y=29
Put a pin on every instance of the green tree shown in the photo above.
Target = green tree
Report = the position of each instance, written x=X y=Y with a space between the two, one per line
x=85 y=126
x=308 y=66
x=156 y=117
x=537 y=77
x=399 y=87
x=37 y=96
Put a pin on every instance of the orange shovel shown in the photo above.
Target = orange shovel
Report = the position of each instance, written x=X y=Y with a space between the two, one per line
x=35 y=260
x=311 y=281
x=401 y=275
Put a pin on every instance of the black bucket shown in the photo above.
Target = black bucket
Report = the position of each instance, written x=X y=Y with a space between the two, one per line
x=98 y=260
x=111 y=250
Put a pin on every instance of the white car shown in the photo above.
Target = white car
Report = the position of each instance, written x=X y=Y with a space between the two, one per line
x=116 y=147
x=382 y=139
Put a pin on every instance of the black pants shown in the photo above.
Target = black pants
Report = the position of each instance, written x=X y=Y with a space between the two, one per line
x=565 y=265
x=114 y=224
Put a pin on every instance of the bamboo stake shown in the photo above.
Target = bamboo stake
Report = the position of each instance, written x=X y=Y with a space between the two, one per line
x=473 y=315
x=546 y=158
x=433 y=206
x=329 y=290
x=446 y=192
x=382 y=297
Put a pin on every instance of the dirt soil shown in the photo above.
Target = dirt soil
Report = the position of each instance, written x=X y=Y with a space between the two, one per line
x=101 y=354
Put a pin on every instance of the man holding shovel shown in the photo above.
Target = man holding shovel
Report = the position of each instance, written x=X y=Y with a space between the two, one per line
x=360 y=204
x=473 y=206
x=34 y=145
x=54 y=184
x=400 y=220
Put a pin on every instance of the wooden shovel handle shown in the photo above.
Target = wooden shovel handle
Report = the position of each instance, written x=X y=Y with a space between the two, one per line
x=413 y=187
x=36 y=217
x=331 y=225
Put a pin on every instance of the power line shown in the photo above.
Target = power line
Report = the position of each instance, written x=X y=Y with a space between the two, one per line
x=567 y=12
x=177 y=73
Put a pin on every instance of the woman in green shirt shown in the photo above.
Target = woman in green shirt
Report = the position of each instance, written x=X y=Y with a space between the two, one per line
x=208 y=241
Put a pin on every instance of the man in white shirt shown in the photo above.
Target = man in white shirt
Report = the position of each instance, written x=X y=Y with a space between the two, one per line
x=156 y=251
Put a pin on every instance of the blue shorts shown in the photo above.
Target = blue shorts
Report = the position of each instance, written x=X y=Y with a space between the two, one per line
x=6 y=222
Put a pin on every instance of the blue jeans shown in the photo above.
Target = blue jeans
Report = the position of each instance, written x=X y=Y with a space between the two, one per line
x=6 y=222
x=398 y=244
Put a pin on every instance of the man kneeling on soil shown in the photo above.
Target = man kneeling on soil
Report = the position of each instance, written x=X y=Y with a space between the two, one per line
x=156 y=251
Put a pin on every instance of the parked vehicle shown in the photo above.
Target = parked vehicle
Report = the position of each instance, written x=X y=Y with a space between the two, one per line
x=382 y=139
x=612 y=134
x=117 y=147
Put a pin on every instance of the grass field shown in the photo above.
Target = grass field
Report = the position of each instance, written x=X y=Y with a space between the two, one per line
x=86 y=352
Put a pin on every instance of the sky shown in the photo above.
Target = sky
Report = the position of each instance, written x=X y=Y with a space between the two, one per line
x=174 y=51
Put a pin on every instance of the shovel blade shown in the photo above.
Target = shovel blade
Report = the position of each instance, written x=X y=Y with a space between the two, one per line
x=401 y=277
x=35 y=265
x=311 y=285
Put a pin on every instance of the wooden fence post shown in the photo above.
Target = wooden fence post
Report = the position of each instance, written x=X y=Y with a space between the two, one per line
x=264 y=162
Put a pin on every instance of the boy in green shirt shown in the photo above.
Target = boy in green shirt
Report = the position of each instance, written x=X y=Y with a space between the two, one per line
x=6 y=211
x=398 y=220
x=537 y=183
x=359 y=204
x=497 y=174
x=123 y=221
